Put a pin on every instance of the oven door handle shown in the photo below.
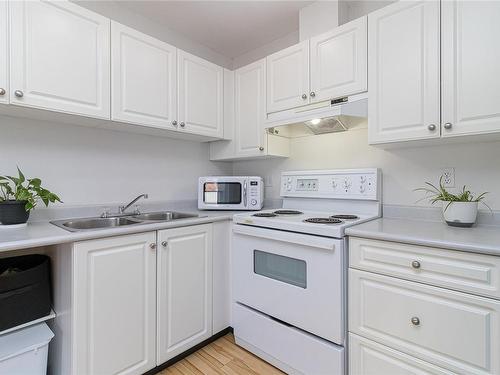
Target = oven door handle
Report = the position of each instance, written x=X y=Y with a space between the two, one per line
x=281 y=236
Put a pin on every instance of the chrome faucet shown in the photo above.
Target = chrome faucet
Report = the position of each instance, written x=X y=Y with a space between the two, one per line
x=122 y=209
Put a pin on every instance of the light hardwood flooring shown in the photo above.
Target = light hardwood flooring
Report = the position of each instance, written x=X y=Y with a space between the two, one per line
x=222 y=356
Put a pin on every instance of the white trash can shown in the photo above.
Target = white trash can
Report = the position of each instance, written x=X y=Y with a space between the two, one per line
x=24 y=352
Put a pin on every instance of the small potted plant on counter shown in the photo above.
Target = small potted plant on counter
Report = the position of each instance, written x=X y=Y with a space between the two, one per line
x=18 y=196
x=459 y=210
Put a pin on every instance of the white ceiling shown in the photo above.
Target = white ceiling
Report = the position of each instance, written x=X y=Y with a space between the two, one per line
x=230 y=28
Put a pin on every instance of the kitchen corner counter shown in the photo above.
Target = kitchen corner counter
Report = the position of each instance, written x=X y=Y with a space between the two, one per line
x=479 y=239
x=43 y=233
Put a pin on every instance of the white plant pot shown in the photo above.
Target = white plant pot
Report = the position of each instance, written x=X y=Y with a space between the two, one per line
x=460 y=214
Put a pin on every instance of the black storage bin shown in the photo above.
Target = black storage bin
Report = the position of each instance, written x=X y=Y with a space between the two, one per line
x=25 y=290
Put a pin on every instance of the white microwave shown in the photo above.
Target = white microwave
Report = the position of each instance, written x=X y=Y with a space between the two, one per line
x=230 y=193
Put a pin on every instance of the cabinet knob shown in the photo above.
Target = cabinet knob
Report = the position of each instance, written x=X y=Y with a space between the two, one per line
x=312 y=94
x=174 y=123
x=19 y=93
x=304 y=96
x=448 y=126
x=2 y=91
x=261 y=148
x=152 y=246
x=415 y=264
x=415 y=321
x=431 y=127
x=164 y=243
x=182 y=124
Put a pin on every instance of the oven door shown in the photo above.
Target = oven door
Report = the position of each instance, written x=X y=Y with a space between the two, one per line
x=292 y=277
x=223 y=194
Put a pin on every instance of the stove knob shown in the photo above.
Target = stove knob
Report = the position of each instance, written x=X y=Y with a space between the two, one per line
x=363 y=179
x=334 y=184
x=254 y=202
x=289 y=180
x=362 y=189
x=288 y=187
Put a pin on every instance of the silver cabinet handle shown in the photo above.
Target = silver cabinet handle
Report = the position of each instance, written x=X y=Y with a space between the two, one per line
x=182 y=124
x=261 y=148
x=245 y=193
x=312 y=94
x=18 y=93
x=415 y=264
x=2 y=91
x=448 y=126
x=164 y=243
x=174 y=123
x=304 y=96
x=152 y=246
x=431 y=127
x=415 y=321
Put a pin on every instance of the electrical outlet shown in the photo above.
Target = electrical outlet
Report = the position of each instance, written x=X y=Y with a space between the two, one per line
x=448 y=177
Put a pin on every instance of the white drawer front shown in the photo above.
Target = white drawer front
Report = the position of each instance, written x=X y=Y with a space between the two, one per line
x=366 y=357
x=473 y=273
x=456 y=331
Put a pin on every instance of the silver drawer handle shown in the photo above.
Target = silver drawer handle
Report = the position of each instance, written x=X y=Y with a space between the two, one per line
x=312 y=94
x=174 y=123
x=415 y=264
x=152 y=246
x=2 y=91
x=415 y=321
x=304 y=96
x=182 y=124
x=261 y=148
x=448 y=126
x=432 y=127
x=18 y=93
x=164 y=243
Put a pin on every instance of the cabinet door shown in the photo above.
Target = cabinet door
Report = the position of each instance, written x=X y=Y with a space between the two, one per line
x=184 y=289
x=339 y=61
x=59 y=58
x=143 y=78
x=288 y=78
x=403 y=72
x=471 y=67
x=250 y=109
x=4 y=53
x=200 y=96
x=115 y=305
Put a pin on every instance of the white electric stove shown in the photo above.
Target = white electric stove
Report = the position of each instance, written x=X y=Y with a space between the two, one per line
x=289 y=269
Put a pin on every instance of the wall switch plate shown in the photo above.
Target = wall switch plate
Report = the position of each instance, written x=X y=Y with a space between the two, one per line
x=268 y=181
x=448 y=177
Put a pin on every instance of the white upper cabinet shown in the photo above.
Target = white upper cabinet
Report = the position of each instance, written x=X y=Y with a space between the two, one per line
x=60 y=58
x=403 y=72
x=184 y=289
x=339 y=61
x=4 y=55
x=144 y=78
x=288 y=78
x=200 y=96
x=471 y=67
x=250 y=109
x=114 y=294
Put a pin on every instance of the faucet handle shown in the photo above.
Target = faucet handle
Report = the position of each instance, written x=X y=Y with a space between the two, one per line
x=105 y=213
x=137 y=210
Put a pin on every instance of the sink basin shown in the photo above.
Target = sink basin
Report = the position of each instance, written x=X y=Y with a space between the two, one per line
x=163 y=216
x=95 y=223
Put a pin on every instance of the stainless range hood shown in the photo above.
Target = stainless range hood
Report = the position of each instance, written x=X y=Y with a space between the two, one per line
x=325 y=117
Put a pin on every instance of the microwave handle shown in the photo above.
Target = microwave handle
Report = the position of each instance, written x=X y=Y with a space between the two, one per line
x=245 y=193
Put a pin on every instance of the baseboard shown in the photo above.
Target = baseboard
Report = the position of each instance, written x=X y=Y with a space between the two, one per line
x=188 y=352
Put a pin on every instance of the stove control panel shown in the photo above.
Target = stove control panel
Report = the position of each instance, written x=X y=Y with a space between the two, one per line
x=342 y=184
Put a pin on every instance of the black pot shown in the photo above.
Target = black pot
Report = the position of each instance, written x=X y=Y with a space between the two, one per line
x=13 y=212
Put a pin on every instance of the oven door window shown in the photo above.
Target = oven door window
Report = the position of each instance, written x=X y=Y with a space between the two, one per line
x=222 y=193
x=278 y=267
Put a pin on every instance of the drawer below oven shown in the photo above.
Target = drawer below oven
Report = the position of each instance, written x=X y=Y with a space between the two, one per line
x=286 y=347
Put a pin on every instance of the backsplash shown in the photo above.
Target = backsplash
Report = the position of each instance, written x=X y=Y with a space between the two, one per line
x=404 y=169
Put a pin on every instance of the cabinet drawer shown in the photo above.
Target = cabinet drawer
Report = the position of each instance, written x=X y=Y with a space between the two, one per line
x=473 y=273
x=366 y=357
x=450 y=329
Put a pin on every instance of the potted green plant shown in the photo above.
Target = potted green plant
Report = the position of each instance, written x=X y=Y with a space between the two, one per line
x=459 y=210
x=18 y=196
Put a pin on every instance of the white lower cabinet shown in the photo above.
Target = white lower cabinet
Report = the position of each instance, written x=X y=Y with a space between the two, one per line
x=114 y=293
x=429 y=329
x=184 y=289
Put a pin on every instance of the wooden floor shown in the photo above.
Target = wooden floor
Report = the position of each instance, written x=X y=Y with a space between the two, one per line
x=221 y=357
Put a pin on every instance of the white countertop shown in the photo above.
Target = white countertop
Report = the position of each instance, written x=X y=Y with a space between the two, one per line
x=44 y=233
x=479 y=239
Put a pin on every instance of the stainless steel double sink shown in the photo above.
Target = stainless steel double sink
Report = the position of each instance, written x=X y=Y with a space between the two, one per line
x=93 y=223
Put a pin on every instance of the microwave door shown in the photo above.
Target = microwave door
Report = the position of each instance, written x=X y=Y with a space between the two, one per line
x=222 y=193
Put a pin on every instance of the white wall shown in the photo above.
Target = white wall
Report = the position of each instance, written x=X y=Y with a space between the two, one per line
x=120 y=13
x=477 y=164
x=94 y=166
x=317 y=18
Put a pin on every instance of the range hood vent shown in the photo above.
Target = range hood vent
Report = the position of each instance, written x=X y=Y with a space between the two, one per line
x=331 y=116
